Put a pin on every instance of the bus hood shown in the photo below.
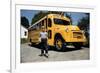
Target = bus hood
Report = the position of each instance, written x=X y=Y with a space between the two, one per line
x=72 y=27
x=67 y=28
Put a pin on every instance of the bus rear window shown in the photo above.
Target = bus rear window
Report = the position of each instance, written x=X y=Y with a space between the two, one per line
x=61 y=22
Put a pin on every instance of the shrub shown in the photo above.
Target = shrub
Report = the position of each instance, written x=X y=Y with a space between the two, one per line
x=24 y=40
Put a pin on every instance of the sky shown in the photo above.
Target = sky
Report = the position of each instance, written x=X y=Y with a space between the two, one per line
x=76 y=16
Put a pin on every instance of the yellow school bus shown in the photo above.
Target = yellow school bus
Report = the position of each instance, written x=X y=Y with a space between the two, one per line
x=60 y=31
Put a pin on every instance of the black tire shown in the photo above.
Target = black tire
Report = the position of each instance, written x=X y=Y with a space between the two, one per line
x=32 y=42
x=59 y=47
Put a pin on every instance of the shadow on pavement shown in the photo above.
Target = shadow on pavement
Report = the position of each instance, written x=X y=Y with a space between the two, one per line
x=51 y=48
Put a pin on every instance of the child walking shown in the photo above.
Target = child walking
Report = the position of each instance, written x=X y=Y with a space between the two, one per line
x=44 y=36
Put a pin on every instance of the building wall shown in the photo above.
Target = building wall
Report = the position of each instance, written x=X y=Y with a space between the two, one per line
x=24 y=32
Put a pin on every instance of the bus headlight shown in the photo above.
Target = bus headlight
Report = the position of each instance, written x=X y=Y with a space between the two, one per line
x=66 y=29
x=83 y=31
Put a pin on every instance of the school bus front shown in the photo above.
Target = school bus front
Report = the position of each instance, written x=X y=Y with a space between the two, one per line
x=63 y=33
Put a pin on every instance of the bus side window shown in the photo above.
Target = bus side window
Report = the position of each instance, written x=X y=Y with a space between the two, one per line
x=49 y=34
x=49 y=22
x=34 y=28
x=39 y=25
x=42 y=22
x=46 y=22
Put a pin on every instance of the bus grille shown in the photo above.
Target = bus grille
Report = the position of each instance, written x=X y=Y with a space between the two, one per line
x=77 y=35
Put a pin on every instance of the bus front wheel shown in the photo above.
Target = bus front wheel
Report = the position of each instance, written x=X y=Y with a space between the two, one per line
x=59 y=44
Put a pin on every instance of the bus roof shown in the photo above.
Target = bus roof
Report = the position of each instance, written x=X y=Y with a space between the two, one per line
x=37 y=22
x=59 y=16
x=52 y=16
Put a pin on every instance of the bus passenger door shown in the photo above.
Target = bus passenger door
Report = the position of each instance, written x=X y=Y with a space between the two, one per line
x=49 y=29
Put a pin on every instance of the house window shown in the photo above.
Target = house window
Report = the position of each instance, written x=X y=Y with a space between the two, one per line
x=25 y=33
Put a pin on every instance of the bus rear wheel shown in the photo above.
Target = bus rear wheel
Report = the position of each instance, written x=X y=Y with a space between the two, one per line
x=59 y=44
x=31 y=42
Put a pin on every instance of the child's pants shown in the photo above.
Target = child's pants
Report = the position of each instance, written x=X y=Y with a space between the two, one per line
x=44 y=47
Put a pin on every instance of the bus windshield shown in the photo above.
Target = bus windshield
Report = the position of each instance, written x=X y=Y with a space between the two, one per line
x=61 y=22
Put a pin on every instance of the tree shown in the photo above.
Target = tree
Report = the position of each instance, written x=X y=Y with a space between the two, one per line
x=84 y=25
x=41 y=14
x=55 y=12
x=24 y=22
x=84 y=22
x=38 y=16
x=69 y=16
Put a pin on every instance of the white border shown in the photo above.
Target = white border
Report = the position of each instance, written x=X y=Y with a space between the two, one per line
x=15 y=60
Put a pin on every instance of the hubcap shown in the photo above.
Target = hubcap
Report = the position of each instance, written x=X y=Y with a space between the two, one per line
x=59 y=44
